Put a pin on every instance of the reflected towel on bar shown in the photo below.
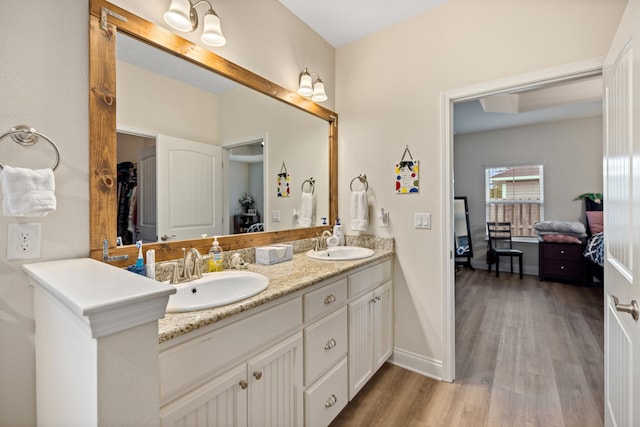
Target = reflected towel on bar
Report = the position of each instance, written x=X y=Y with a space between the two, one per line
x=359 y=211
x=27 y=192
x=306 y=210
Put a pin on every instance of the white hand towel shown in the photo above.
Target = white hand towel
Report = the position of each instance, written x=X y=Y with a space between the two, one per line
x=359 y=211
x=306 y=210
x=27 y=192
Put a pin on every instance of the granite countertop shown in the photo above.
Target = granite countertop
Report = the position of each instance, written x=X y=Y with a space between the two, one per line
x=284 y=278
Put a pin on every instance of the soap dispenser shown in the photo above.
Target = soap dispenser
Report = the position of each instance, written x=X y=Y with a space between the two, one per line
x=339 y=232
x=215 y=256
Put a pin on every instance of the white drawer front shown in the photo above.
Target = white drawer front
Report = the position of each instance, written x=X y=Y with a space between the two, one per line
x=370 y=278
x=325 y=300
x=325 y=342
x=186 y=365
x=327 y=397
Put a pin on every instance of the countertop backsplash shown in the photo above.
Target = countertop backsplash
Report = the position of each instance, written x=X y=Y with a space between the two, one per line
x=164 y=270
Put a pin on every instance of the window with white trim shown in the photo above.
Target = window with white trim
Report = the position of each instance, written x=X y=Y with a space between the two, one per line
x=515 y=194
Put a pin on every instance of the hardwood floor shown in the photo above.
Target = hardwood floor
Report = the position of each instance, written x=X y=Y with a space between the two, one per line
x=528 y=353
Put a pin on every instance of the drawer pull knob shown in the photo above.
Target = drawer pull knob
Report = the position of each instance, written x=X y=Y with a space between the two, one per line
x=562 y=251
x=562 y=267
x=331 y=401
x=331 y=298
x=330 y=344
x=257 y=374
x=243 y=384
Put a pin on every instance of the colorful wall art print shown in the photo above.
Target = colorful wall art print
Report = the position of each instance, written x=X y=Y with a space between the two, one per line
x=284 y=181
x=407 y=173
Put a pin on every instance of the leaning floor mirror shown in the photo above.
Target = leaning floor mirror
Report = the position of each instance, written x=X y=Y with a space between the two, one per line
x=462 y=232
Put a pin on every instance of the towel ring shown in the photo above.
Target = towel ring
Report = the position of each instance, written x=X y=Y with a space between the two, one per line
x=26 y=136
x=363 y=179
x=311 y=182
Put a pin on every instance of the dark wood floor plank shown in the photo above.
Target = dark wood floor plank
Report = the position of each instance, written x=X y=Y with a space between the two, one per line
x=528 y=353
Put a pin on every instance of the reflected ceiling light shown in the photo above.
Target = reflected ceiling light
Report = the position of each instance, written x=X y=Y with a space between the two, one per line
x=182 y=16
x=310 y=88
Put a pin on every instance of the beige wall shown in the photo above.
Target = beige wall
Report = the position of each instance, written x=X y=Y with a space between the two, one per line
x=570 y=151
x=388 y=89
x=44 y=83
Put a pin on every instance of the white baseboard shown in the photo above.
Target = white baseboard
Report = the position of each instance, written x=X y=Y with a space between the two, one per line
x=417 y=363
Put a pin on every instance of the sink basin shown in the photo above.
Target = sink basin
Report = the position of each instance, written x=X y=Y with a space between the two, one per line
x=341 y=253
x=215 y=290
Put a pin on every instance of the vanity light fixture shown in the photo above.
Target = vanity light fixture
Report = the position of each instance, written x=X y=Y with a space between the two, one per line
x=310 y=88
x=182 y=16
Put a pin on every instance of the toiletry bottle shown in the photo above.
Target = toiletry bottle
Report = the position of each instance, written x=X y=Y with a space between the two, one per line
x=215 y=256
x=140 y=260
x=339 y=232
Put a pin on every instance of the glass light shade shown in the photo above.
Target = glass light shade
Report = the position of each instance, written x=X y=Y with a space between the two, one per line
x=181 y=16
x=212 y=32
x=305 y=88
x=318 y=92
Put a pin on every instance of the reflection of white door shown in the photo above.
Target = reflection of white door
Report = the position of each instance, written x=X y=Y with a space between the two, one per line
x=147 y=222
x=189 y=188
x=622 y=225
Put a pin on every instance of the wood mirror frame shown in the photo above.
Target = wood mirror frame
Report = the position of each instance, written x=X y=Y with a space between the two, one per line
x=103 y=26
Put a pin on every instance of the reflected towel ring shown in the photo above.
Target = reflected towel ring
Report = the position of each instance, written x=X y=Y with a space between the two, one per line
x=27 y=136
x=311 y=182
x=363 y=179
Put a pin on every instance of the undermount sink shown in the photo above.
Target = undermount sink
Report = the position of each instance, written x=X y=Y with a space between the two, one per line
x=341 y=253
x=215 y=290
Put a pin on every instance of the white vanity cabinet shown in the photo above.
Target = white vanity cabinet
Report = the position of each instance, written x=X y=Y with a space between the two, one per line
x=235 y=375
x=370 y=324
x=295 y=363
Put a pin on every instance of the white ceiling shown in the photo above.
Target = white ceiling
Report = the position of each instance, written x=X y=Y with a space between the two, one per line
x=342 y=21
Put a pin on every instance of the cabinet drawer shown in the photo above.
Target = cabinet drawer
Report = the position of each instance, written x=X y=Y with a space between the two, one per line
x=562 y=269
x=325 y=300
x=189 y=364
x=370 y=278
x=570 y=252
x=326 y=398
x=325 y=342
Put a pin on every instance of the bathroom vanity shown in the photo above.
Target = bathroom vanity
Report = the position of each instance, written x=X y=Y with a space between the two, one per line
x=294 y=360
x=294 y=354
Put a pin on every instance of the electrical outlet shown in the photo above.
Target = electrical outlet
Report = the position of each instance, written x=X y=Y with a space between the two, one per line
x=23 y=241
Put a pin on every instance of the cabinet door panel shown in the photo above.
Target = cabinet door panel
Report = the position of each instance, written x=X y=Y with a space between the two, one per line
x=360 y=343
x=382 y=324
x=275 y=385
x=220 y=402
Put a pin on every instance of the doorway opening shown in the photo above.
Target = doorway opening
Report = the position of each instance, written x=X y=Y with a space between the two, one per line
x=515 y=84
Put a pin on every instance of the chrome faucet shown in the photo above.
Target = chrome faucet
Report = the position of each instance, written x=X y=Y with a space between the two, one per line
x=321 y=241
x=188 y=256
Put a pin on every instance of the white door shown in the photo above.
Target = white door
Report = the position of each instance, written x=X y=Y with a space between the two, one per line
x=622 y=223
x=147 y=207
x=189 y=184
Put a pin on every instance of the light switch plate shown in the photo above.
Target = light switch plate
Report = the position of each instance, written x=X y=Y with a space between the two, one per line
x=275 y=216
x=423 y=220
x=23 y=241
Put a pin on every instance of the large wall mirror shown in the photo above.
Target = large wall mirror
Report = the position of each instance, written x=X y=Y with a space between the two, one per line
x=176 y=97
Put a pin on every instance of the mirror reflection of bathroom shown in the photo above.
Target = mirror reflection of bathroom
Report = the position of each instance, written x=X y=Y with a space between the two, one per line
x=462 y=232
x=245 y=178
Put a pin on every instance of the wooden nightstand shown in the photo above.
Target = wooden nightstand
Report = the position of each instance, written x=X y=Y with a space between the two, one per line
x=561 y=262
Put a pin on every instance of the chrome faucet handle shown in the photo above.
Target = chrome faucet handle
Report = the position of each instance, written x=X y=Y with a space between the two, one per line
x=197 y=273
x=186 y=260
x=175 y=276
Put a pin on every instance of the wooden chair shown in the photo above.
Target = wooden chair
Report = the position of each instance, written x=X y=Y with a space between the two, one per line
x=500 y=245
